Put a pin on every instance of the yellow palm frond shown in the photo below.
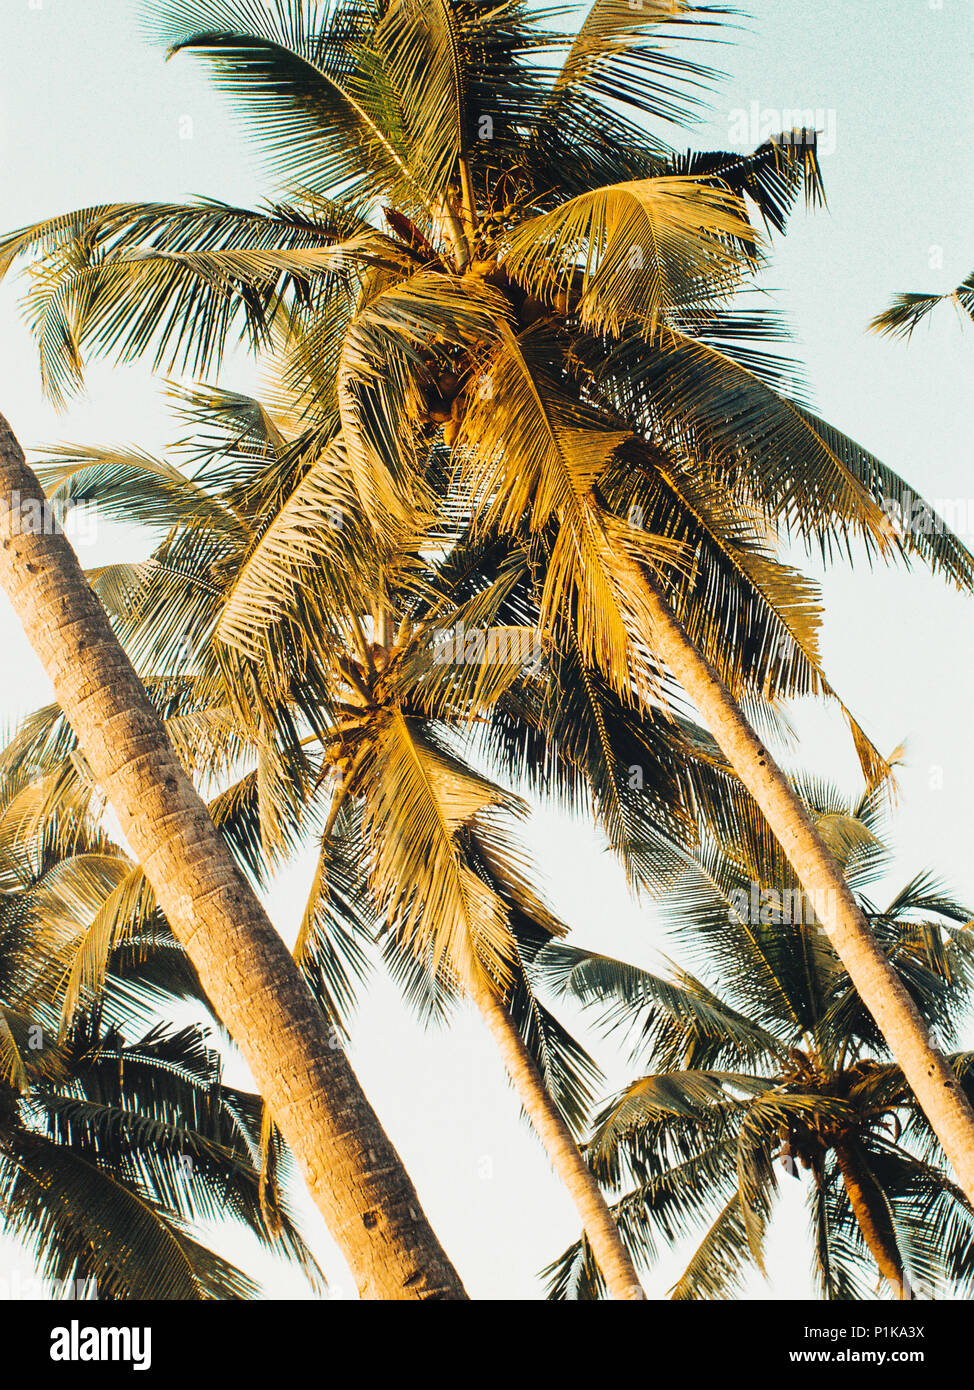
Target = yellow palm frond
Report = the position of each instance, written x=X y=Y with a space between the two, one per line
x=629 y=252
x=416 y=802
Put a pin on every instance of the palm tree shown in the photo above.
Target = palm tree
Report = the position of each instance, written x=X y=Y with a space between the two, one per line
x=907 y=311
x=551 y=296
x=353 y=1172
x=766 y=1053
x=111 y=1151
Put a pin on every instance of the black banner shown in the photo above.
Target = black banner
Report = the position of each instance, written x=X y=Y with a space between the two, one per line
x=194 y=1339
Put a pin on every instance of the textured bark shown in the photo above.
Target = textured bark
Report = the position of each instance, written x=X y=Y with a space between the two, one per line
x=597 y=1220
x=355 y=1175
x=932 y=1080
x=872 y=1216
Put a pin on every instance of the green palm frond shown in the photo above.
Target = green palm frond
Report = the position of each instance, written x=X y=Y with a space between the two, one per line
x=662 y=1206
x=336 y=115
x=631 y=56
x=809 y=477
x=907 y=311
x=338 y=920
x=716 y=1266
x=122 y=280
x=772 y=176
x=672 y=1019
x=84 y=1225
x=419 y=44
x=133 y=487
x=837 y=1255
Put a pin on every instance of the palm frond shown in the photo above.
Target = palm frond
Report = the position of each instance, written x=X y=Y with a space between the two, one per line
x=907 y=311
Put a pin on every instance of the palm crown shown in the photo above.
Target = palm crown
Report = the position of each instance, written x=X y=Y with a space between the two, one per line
x=337 y=720
x=767 y=1053
x=563 y=326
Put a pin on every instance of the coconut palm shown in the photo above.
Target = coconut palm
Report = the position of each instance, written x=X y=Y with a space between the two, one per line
x=513 y=262
x=907 y=311
x=112 y=1150
x=764 y=1055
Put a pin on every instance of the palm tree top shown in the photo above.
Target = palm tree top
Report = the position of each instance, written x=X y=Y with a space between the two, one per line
x=473 y=220
x=765 y=1052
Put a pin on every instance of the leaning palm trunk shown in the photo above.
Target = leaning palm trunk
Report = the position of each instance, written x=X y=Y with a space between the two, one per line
x=355 y=1175
x=933 y=1082
x=598 y=1224
x=872 y=1216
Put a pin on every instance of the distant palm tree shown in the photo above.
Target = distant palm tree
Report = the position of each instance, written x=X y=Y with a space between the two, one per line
x=907 y=311
x=768 y=1054
x=483 y=254
x=112 y=1151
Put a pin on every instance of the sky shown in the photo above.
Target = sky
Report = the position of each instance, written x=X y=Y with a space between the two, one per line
x=90 y=113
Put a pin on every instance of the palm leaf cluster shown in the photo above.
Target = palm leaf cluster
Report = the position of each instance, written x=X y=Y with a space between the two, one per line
x=113 y=1149
x=340 y=726
x=763 y=1062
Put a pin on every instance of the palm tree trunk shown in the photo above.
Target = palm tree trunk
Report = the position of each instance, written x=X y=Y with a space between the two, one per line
x=355 y=1175
x=598 y=1223
x=872 y=1216
x=932 y=1080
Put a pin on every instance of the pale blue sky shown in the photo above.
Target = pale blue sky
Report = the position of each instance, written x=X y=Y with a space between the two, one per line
x=90 y=113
